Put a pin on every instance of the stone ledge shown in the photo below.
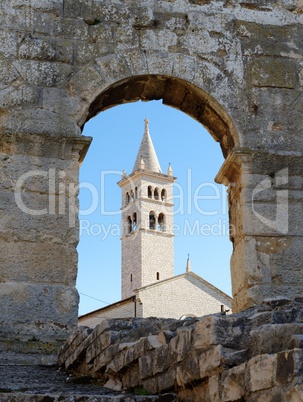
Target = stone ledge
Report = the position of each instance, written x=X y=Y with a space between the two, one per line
x=21 y=383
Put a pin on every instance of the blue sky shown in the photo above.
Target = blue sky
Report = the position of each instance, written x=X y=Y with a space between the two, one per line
x=201 y=216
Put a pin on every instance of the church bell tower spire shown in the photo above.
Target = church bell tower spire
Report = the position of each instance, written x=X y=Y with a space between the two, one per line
x=147 y=221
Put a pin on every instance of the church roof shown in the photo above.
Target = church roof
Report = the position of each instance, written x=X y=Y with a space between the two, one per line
x=147 y=156
x=187 y=275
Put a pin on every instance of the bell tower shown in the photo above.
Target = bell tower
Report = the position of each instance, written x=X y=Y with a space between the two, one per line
x=147 y=221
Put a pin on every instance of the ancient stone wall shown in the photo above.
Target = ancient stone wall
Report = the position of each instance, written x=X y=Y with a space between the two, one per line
x=234 y=66
x=253 y=356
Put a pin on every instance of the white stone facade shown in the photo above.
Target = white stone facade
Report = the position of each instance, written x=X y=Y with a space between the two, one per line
x=123 y=309
x=181 y=296
x=147 y=222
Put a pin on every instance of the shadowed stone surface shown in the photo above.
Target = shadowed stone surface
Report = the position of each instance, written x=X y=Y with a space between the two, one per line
x=49 y=384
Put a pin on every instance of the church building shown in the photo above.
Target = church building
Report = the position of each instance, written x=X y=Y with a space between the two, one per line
x=148 y=285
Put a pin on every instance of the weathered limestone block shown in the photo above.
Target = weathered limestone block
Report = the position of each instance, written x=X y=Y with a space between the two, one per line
x=218 y=330
x=210 y=360
x=261 y=370
x=181 y=344
x=166 y=380
x=45 y=49
x=38 y=254
x=278 y=73
x=233 y=383
x=117 y=362
x=103 y=358
x=39 y=122
x=143 y=346
x=53 y=310
x=188 y=371
x=289 y=366
x=151 y=385
x=21 y=96
x=78 y=350
x=72 y=342
x=103 y=341
x=8 y=72
x=131 y=378
x=145 y=366
x=161 y=359
x=271 y=338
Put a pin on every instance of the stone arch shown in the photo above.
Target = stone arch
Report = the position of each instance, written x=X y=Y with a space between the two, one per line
x=161 y=222
x=199 y=57
x=152 y=220
x=135 y=221
x=129 y=225
x=149 y=192
x=174 y=92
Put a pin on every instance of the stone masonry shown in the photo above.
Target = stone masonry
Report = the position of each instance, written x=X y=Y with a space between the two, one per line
x=147 y=246
x=253 y=356
x=234 y=66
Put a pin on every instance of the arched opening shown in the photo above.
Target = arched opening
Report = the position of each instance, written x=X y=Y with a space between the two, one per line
x=152 y=220
x=129 y=224
x=163 y=195
x=134 y=221
x=127 y=198
x=175 y=92
x=191 y=100
x=161 y=222
x=156 y=194
x=132 y=196
x=136 y=192
x=149 y=192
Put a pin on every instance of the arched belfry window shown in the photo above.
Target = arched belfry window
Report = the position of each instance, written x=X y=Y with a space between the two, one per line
x=129 y=224
x=161 y=222
x=136 y=192
x=152 y=221
x=149 y=192
x=156 y=194
x=132 y=196
x=127 y=198
x=163 y=195
x=135 y=221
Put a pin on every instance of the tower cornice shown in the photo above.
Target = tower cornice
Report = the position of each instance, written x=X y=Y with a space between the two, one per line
x=149 y=231
x=148 y=174
x=150 y=200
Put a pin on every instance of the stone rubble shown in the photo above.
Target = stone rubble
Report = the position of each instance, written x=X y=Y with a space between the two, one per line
x=250 y=356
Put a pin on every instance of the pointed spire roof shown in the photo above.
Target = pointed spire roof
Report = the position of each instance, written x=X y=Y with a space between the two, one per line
x=147 y=153
x=169 y=170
